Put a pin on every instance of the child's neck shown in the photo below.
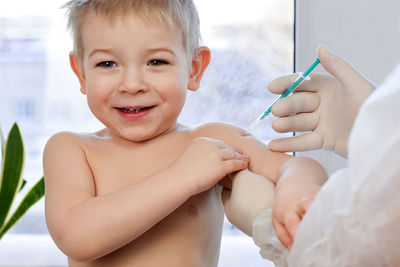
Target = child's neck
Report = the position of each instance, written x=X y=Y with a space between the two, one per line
x=176 y=128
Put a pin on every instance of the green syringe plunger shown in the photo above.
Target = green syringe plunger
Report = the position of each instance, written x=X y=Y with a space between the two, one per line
x=287 y=92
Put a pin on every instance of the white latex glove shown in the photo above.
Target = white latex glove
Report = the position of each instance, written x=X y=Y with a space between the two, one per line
x=249 y=196
x=324 y=106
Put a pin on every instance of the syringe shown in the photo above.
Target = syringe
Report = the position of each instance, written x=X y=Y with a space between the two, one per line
x=285 y=94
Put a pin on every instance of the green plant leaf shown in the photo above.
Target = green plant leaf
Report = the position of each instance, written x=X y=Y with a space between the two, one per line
x=11 y=171
x=22 y=185
x=33 y=196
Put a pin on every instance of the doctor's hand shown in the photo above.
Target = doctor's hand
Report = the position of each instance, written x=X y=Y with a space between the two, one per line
x=325 y=106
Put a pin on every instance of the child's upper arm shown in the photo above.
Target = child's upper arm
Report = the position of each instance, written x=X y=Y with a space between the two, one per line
x=68 y=178
x=262 y=161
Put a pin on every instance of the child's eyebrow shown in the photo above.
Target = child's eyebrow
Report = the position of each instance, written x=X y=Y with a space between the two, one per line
x=148 y=51
x=105 y=51
x=161 y=49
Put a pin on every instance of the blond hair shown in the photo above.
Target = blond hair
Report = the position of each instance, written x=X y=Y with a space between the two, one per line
x=176 y=13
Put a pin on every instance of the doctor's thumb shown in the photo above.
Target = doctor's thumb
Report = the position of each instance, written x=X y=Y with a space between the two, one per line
x=337 y=66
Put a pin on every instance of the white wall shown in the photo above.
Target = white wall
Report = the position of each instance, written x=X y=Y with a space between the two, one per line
x=365 y=32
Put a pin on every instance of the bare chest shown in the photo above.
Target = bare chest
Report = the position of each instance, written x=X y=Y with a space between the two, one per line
x=189 y=233
x=123 y=165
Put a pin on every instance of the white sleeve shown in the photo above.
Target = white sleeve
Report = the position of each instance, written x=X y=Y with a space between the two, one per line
x=265 y=237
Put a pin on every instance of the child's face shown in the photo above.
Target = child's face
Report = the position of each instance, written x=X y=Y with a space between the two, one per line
x=135 y=74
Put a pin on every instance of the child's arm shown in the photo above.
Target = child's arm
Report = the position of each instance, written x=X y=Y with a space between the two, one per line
x=326 y=106
x=245 y=196
x=263 y=161
x=301 y=175
x=87 y=226
x=300 y=181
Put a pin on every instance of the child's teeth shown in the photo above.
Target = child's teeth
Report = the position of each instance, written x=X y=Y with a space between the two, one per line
x=131 y=110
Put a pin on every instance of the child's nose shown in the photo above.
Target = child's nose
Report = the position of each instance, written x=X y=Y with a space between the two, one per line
x=132 y=82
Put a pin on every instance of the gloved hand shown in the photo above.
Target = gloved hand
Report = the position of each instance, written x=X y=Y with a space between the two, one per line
x=325 y=106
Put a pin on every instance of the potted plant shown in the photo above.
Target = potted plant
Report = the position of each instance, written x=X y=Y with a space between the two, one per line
x=11 y=181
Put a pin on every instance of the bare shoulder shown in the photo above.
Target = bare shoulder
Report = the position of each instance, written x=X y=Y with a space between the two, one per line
x=63 y=140
x=65 y=165
x=222 y=131
x=62 y=137
x=64 y=146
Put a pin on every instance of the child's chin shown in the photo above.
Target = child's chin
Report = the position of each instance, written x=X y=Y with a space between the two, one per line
x=139 y=136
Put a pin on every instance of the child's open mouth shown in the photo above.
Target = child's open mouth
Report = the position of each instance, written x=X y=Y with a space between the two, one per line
x=135 y=110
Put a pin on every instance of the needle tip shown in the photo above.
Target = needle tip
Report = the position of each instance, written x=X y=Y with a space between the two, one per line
x=253 y=125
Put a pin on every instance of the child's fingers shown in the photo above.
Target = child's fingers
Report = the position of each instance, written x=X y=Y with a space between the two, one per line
x=301 y=142
x=232 y=160
x=282 y=234
x=234 y=165
x=302 y=122
x=296 y=103
x=229 y=152
x=292 y=221
x=304 y=204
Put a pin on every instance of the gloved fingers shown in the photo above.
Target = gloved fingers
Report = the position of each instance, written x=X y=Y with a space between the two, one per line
x=296 y=103
x=301 y=142
x=337 y=66
x=282 y=233
x=301 y=122
x=279 y=85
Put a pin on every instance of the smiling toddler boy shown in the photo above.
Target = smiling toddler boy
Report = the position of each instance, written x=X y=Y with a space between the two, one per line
x=143 y=191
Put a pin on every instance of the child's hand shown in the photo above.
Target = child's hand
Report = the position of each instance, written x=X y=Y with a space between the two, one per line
x=206 y=161
x=292 y=201
x=326 y=105
x=300 y=180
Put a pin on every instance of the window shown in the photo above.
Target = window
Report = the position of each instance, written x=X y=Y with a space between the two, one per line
x=251 y=44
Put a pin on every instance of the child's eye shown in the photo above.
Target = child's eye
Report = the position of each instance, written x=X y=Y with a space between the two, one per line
x=157 y=62
x=106 y=64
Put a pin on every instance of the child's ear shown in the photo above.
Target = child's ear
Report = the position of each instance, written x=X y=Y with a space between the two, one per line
x=77 y=68
x=200 y=62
